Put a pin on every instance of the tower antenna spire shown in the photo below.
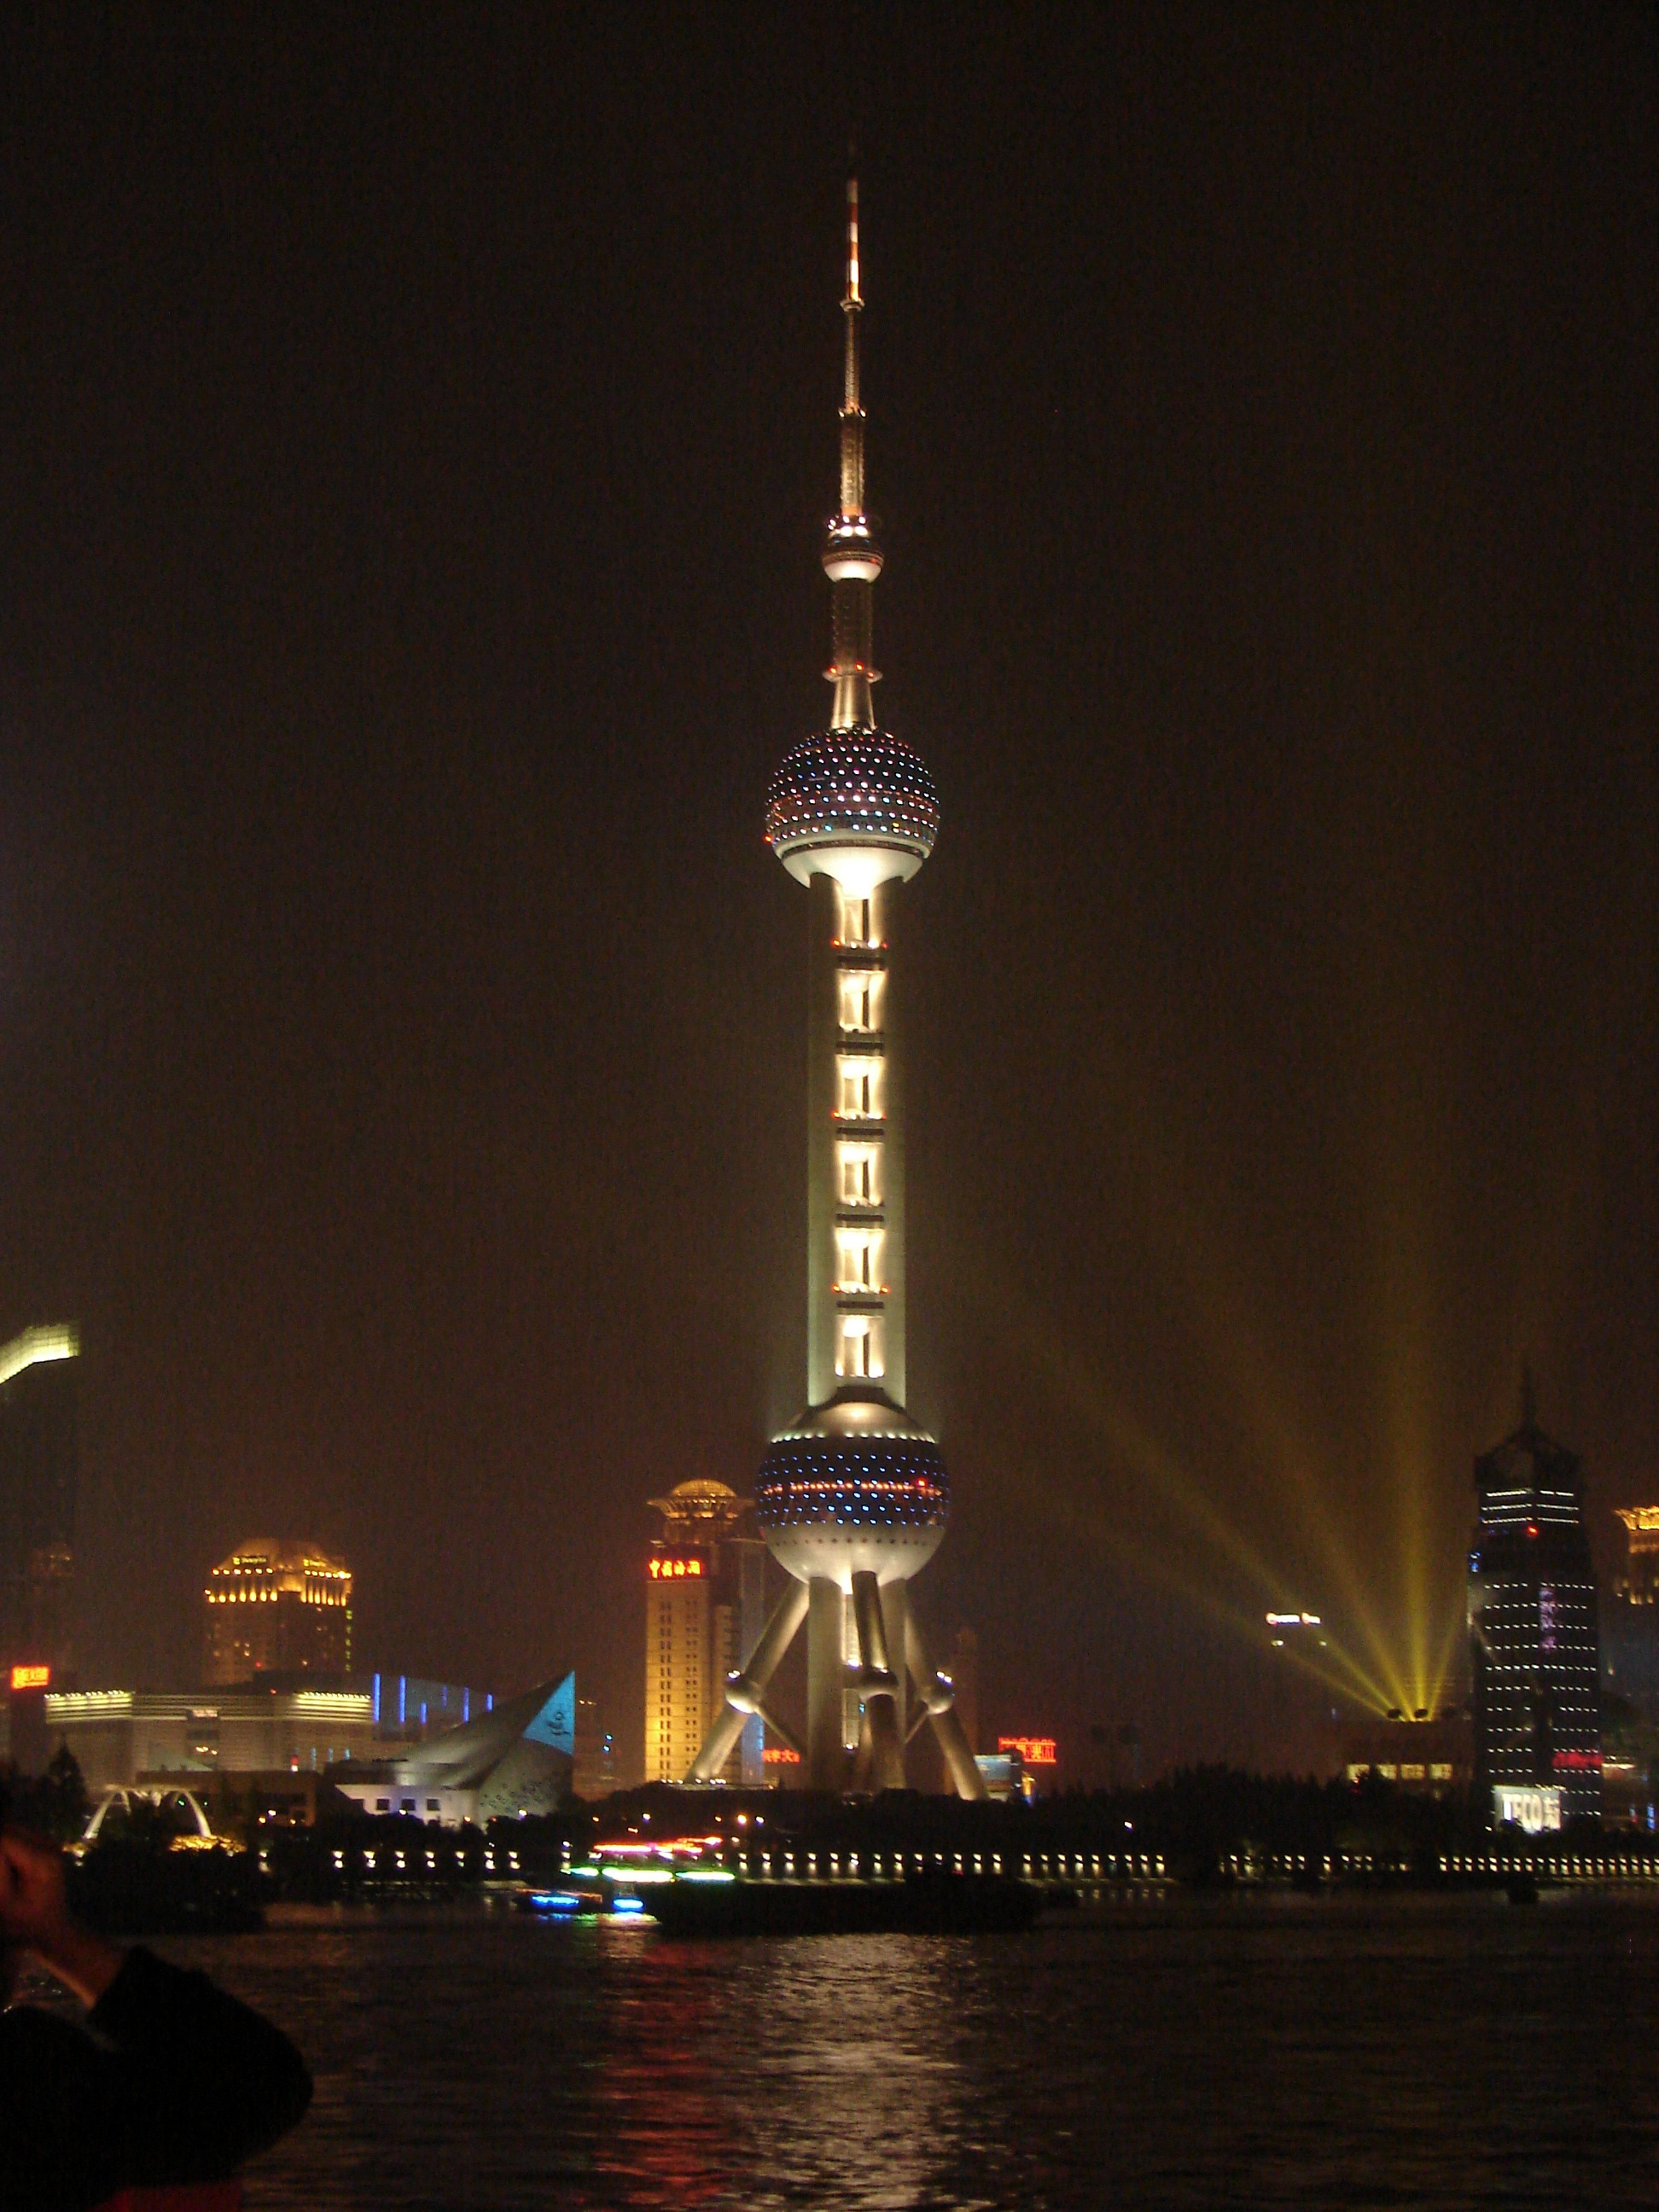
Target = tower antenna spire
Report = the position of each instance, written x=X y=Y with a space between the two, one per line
x=852 y=559
x=852 y=299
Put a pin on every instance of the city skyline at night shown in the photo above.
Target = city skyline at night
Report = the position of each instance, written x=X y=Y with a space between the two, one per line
x=412 y=443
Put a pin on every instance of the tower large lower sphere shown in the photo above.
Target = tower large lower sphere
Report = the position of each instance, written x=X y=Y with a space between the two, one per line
x=853 y=1497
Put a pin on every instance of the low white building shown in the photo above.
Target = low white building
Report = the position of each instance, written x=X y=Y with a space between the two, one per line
x=119 y=1736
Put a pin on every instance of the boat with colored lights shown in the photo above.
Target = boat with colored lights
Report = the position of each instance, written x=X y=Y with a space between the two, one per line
x=924 y=1904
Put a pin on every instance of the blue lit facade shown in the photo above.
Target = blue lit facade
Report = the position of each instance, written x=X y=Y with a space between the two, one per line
x=873 y=1482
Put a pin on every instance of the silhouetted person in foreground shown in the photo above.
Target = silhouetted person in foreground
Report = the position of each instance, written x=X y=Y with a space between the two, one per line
x=168 y=2081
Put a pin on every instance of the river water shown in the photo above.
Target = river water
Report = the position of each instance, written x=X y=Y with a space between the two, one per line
x=1259 y=2050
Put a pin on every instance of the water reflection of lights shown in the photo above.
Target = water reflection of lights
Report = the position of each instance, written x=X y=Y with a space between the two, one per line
x=868 y=2071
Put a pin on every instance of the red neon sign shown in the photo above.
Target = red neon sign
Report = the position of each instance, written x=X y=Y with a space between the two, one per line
x=31 y=1678
x=674 y=1571
x=1576 y=1759
x=779 y=1755
x=1034 y=1750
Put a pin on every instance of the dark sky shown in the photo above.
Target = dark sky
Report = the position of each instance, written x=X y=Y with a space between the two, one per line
x=415 y=426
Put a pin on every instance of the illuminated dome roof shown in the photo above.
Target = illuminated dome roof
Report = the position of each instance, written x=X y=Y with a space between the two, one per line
x=854 y=1484
x=852 y=791
x=702 y=1501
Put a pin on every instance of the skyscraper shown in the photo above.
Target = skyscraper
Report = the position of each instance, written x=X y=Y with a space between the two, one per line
x=1533 y=1630
x=274 y=1608
x=704 y=1605
x=853 y=1495
x=40 y=1472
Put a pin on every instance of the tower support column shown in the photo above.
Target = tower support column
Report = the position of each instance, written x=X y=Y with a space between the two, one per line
x=896 y=1615
x=826 y=1763
x=886 y=903
x=878 y=1685
x=823 y=1004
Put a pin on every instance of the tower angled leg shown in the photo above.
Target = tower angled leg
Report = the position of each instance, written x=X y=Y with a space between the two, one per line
x=877 y=1686
x=826 y=1671
x=940 y=1700
x=896 y=1617
x=864 y=1758
x=745 y=1691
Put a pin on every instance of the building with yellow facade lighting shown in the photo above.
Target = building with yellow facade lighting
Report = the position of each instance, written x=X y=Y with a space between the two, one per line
x=276 y=1608
x=703 y=1609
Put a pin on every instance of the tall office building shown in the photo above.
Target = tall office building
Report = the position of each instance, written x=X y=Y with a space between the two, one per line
x=704 y=1603
x=1297 y=1729
x=40 y=1470
x=1533 y=1633
x=853 y=1495
x=275 y=1608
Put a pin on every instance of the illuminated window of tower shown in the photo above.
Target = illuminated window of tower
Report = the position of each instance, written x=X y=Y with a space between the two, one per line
x=855 y=1093
x=857 y=1267
x=857 y=1002
x=857 y=1179
x=858 y=1349
x=855 y=922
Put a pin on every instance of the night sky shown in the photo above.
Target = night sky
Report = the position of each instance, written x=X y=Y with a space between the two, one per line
x=415 y=430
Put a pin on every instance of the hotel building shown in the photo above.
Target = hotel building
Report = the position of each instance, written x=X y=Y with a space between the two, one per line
x=276 y=1608
x=703 y=1609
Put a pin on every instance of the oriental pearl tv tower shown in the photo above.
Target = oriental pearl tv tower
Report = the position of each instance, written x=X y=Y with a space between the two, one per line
x=853 y=1496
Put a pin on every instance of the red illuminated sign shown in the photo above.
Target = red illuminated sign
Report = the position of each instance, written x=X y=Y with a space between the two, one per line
x=779 y=1755
x=1576 y=1759
x=674 y=1570
x=1034 y=1750
x=31 y=1678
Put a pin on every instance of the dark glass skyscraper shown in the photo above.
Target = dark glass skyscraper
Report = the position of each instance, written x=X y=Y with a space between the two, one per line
x=39 y=1469
x=1533 y=1626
